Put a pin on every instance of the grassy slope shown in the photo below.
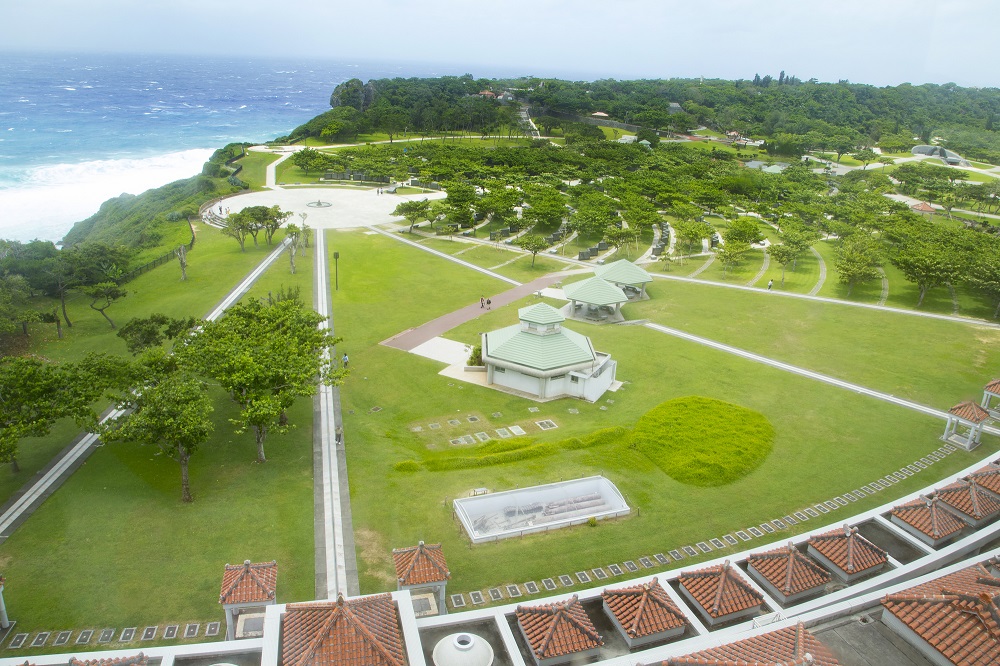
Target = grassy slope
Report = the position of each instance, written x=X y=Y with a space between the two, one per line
x=116 y=534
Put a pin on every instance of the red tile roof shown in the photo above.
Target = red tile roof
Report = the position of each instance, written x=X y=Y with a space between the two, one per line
x=558 y=629
x=849 y=550
x=644 y=609
x=720 y=590
x=966 y=497
x=993 y=387
x=135 y=660
x=969 y=411
x=988 y=477
x=957 y=614
x=249 y=583
x=785 y=647
x=922 y=207
x=789 y=570
x=926 y=515
x=360 y=632
x=420 y=564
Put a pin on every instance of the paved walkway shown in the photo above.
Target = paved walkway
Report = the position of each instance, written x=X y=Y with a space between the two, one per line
x=408 y=340
x=336 y=559
x=26 y=500
x=822 y=273
x=788 y=367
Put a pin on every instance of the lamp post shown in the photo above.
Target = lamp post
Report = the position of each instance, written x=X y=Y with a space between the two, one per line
x=336 y=270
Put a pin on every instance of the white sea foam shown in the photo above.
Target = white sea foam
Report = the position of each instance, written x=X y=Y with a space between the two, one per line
x=52 y=198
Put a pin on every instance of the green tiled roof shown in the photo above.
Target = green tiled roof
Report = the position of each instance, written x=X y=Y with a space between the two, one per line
x=541 y=352
x=595 y=291
x=623 y=271
x=540 y=313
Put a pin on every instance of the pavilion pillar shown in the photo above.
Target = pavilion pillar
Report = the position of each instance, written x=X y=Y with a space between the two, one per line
x=230 y=624
x=442 y=607
x=4 y=620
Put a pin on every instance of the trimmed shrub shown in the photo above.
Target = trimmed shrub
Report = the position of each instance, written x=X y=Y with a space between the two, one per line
x=407 y=466
x=704 y=442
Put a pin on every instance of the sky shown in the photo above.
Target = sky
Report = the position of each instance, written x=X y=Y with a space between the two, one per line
x=881 y=42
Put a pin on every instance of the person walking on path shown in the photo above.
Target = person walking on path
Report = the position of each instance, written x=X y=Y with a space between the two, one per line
x=482 y=301
x=770 y=283
x=487 y=304
x=345 y=360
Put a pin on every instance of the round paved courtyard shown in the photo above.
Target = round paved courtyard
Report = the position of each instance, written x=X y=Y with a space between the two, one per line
x=349 y=206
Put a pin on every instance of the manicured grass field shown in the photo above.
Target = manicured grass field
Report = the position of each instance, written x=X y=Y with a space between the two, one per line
x=818 y=451
x=255 y=167
x=116 y=535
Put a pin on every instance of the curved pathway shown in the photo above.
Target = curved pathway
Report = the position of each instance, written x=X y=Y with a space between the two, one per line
x=884 y=296
x=703 y=267
x=763 y=269
x=822 y=272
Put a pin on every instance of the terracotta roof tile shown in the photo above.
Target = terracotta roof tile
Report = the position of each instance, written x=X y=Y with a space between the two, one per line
x=958 y=615
x=786 y=647
x=360 y=632
x=558 y=629
x=720 y=590
x=789 y=570
x=969 y=411
x=644 y=609
x=135 y=660
x=926 y=515
x=420 y=564
x=849 y=550
x=249 y=583
x=966 y=497
x=993 y=387
x=988 y=477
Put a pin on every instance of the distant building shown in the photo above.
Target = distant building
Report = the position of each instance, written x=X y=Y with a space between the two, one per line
x=949 y=157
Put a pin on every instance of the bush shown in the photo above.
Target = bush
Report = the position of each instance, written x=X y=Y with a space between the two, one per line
x=476 y=355
x=704 y=442
x=407 y=466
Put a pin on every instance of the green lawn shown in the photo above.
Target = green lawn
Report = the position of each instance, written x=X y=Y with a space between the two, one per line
x=657 y=368
x=255 y=167
x=116 y=534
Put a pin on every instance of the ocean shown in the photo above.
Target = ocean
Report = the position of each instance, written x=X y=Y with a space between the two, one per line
x=76 y=130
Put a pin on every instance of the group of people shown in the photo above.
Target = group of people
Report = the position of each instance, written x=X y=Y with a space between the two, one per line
x=485 y=302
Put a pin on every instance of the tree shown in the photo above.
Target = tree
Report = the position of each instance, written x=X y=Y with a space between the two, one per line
x=859 y=259
x=142 y=333
x=784 y=255
x=237 y=225
x=296 y=243
x=547 y=206
x=265 y=355
x=619 y=238
x=103 y=295
x=34 y=394
x=181 y=254
x=743 y=230
x=985 y=271
x=732 y=254
x=413 y=211
x=534 y=244
x=865 y=156
x=690 y=232
x=924 y=261
x=171 y=413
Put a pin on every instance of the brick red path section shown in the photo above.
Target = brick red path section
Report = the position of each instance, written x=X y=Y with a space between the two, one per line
x=415 y=337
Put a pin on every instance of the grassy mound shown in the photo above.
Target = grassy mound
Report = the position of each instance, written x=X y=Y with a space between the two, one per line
x=704 y=442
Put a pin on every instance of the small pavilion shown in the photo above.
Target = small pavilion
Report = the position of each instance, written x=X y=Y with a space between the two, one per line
x=926 y=519
x=991 y=391
x=422 y=568
x=965 y=425
x=538 y=357
x=720 y=595
x=627 y=276
x=247 y=587
x=595 y=299
x=847 y=554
